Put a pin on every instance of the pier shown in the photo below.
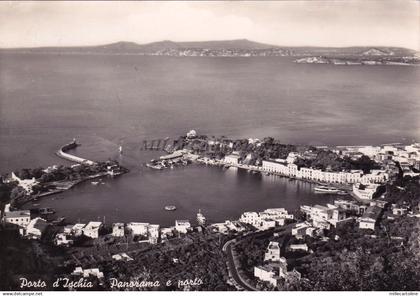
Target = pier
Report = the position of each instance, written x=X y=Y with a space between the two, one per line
x=158 y=144
x=72 y=145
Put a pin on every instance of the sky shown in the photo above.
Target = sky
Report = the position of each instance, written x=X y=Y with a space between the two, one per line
x=288 y=23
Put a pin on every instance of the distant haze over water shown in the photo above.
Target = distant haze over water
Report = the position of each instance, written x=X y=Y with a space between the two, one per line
x=105 y=101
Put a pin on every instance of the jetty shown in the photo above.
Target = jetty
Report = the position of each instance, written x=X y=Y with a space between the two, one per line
x=62 y=152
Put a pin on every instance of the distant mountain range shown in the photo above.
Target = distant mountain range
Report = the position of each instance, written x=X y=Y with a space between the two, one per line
x=240 y=47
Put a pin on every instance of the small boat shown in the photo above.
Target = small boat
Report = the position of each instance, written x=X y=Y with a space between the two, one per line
x=35 y=204
x=200 y=218
x=155 y=166
x=94 y=183
x=342 y=192
x=170 y=208
x=326 y=189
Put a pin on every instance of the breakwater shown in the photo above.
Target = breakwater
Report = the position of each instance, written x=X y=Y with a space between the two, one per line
x=72 y=145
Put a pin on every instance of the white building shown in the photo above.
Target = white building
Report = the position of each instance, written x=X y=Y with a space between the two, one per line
x=266 y=219
x=77 y=229
x=268 y=273
x=92 y=229
x=19 y=218
x=354 y=176
x=138 y=228
x=182 y=226
x=273 y=252
x=35 y=228
x=365 y=191
x=299 y=247
x=231 y=159
x=370 y=218
x=26 y=184
x=153 y=233
x=118 y=229
x=62 y=240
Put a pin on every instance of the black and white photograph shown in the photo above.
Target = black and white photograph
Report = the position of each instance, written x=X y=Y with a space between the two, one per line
x=210 y=146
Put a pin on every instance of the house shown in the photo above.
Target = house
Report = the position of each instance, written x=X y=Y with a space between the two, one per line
x=77 y=229
x=153 y=233
x=399 y=210
x=365 y=191
x=299 y=247
x=299 y=230
x=273 y=252
x=35 y=228
x=62 y=240
x=19 y=218
x=118 y=229
x=268 y=273
x=370 y=218
x=88 y=272
x=26 y=184
x=122 y=256
x=138 y=228
x=166 y=232
x=182 y=226
x=92 y=229
x=231 y=159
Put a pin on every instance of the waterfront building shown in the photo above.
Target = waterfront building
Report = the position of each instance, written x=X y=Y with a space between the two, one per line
x=118 y=229
x=35 y=228
x=323 y=217
x=192 y=134
x=273 y=252
x=370 y=218
x=182 y=226
x=19 y=218
x=138 y=228
x=365 y=191
x=153 y=233
x=231 y=159
x=354 y=176
x=166 y=232
x=26 y=184
x=92 y=229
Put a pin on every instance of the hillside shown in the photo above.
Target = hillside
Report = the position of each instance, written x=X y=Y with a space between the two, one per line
x=239 y=47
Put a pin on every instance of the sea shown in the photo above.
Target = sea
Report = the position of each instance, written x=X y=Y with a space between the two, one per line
x=105 y=101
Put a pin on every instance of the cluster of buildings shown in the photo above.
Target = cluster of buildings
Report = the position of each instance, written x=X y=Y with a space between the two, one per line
x=21 y=219
x=267 y=219
x=405 y=155
x=25 y=184
x=289 y=169
x=275 y=267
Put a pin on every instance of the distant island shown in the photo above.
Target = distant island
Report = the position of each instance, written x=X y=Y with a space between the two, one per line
x=237 y=48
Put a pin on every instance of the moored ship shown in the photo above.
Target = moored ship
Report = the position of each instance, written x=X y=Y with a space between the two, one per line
x=326 y=189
